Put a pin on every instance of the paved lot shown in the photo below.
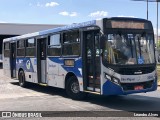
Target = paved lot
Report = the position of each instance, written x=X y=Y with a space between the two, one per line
x=39 y=98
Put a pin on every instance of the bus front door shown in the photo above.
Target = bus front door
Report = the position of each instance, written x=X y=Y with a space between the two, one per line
x=41 y=60
x=91 y=58
x=13 y=60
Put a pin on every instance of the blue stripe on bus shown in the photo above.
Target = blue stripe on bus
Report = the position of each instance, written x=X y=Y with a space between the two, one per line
x=78 y=64
x=24 y=63
x=110 y=88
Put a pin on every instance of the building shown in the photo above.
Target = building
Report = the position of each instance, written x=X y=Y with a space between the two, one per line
x=13 y=29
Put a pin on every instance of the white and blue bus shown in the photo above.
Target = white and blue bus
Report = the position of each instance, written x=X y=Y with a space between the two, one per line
x=111 y=56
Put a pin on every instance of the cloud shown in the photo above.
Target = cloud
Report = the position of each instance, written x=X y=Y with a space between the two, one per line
x=51 y=4
x=126 y=16
x=98 y=14
x=65 y=13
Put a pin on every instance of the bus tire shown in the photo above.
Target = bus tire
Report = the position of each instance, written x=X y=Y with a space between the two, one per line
x=73 y=90
x=21 y=77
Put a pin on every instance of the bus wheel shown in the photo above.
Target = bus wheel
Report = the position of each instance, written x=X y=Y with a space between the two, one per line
x=73 y=90
x=22 y=81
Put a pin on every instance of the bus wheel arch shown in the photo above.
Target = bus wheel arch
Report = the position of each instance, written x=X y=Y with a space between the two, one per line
x=21 y=77
x=73 y=88
x=69 y=75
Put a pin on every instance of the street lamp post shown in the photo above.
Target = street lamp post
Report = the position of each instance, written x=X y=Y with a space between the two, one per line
x=147 y=13
x=147 y=9
x=157 y=22
x=147 y=5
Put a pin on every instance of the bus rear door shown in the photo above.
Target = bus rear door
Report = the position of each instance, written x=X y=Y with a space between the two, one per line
x=13 y=60
x=41 y=59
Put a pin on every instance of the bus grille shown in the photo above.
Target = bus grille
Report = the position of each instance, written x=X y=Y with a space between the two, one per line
x=130 y=86
x=133 y=71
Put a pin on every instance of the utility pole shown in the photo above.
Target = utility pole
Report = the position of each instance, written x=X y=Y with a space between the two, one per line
x=157 y=22
x=157 y=14
x=147 y=9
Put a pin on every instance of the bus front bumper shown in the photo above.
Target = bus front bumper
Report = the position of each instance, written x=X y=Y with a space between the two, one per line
x=110 y=88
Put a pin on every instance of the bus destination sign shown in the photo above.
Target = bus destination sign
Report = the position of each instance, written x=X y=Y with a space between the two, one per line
x=127 y=24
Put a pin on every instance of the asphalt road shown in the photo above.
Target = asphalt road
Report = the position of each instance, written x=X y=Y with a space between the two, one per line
x=40 y=98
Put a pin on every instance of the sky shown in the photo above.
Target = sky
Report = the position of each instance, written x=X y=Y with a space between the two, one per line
x=72 y=11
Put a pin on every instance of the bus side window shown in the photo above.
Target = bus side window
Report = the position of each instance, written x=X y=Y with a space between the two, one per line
x=6 y=49
x=54 y=45
x=30 y=47
x=71 y=43
x=21 y=48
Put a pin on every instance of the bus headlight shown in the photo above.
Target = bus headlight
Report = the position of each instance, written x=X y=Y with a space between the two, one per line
x=112 y=78
x=115 y=80
x=107 y=76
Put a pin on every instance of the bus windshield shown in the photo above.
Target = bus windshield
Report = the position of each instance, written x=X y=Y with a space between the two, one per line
x=132 y=48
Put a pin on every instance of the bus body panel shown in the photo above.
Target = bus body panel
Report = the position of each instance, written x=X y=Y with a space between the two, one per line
x=35 y=78
x=57 y=71
x=6 y=66
x=34 y=65
x=29 y=76
x=54 y=78
x=28 y=65
x=110 y=88
x=55 y=81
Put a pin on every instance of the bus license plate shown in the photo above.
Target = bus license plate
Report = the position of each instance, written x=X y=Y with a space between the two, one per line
x=139 y=87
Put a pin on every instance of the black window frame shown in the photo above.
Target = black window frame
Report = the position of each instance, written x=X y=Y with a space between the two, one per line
x=21 y=48
x=27 y=43
x=71 y=43
x=30 y=47
x=58 y=46
x=8 y=46
x=7 y=51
